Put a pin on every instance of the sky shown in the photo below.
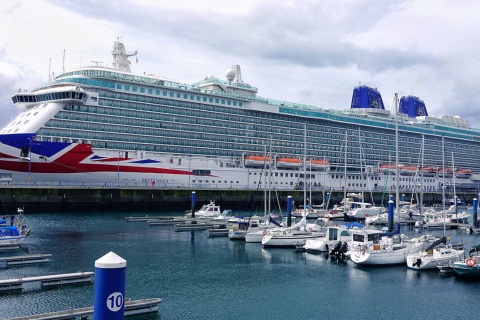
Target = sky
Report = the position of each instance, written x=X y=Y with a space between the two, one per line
x=307 y=51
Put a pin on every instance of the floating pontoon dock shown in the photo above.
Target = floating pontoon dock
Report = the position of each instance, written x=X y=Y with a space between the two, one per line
x=31 y=258
x=132 y=307
x=49 y=280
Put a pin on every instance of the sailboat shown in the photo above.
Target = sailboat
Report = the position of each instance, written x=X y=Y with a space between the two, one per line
x=297 y=234
x=373 y=247
x=439 y=253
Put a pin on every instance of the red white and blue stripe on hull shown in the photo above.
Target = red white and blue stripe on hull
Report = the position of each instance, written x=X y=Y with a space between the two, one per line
x=61 y=161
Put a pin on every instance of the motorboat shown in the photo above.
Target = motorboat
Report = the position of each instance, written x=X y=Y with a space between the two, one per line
x=209 y=210
x=13 y=229
x=333 y=235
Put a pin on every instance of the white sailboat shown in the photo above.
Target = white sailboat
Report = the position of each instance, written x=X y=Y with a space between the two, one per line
x=372 y=247
x=296 y=235
x=439 y=253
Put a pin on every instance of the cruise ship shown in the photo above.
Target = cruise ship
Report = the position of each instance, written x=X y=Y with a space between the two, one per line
x=104 y=126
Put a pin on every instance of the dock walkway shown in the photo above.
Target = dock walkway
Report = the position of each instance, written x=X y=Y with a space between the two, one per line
x=132 y=307
x=48 y=280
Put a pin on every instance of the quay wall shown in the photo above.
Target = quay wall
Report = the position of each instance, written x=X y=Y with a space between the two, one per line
x=44 y=199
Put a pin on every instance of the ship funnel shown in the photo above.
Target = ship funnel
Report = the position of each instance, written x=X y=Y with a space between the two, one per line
x=366 y=98
x=412 y=107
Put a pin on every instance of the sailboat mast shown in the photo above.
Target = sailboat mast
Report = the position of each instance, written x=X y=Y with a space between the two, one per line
x=443 y=182
x=345 y=174
x=265 y=180
x=270 y=178
x=421 y=181
x=397 y=206
x=305 y=170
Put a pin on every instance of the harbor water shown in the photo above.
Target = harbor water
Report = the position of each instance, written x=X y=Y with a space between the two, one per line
x=215 y=278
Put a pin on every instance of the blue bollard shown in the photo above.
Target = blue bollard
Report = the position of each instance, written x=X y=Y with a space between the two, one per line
x=194 y=197
x=390 y=215
x=109 y=287
x=475 y=210
x=289 y=211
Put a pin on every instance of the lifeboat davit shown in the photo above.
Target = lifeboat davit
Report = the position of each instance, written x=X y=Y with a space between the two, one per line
x=318 y=165
x=408 y=170
x=429 y=171
x=463 y=173
x=256 y=161
x=447 y=173
x=288 y=163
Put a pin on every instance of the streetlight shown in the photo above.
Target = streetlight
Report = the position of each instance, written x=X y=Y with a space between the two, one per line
x=29 y=160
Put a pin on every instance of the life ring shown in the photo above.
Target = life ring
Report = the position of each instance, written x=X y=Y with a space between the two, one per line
x=470 y=262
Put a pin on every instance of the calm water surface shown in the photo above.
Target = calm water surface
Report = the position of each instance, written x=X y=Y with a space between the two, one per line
x=202 y=278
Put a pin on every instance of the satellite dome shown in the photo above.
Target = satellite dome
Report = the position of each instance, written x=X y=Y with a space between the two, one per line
x=230 y=74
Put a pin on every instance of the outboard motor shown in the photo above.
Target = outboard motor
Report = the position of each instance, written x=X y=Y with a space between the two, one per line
x=336 y=248
x=417 y=263
x=343 y=249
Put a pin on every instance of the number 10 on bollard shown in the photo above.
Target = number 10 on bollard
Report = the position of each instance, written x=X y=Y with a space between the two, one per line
x=109 y=287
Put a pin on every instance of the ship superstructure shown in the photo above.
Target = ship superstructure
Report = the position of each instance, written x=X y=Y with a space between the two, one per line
x=107 y=126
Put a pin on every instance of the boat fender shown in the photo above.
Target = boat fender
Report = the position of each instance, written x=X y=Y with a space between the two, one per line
x=470 y=262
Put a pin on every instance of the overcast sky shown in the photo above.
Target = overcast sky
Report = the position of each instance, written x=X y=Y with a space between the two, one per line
x=305 y=51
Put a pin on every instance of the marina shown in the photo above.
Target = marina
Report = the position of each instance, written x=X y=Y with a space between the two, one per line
x=188 y=271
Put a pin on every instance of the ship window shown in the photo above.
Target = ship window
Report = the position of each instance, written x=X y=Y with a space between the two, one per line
x=198 y=98
x=157 y=92
x=150 y=91
x=229 y=102
x=217 y=100
x=210 y=99
x=192 y=97
x=142 y=90
x=172 y=94
x=185 y=96
x=134 y=89
x=127 y=87
x=235 y=103
x=223 y=101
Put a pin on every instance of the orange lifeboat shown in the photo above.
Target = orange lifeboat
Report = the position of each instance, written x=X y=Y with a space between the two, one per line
x=256 y=161
x=318 y=164
x=288 y=163
x=387 y=168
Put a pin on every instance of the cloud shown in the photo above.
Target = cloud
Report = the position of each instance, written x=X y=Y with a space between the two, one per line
x=311 y=52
